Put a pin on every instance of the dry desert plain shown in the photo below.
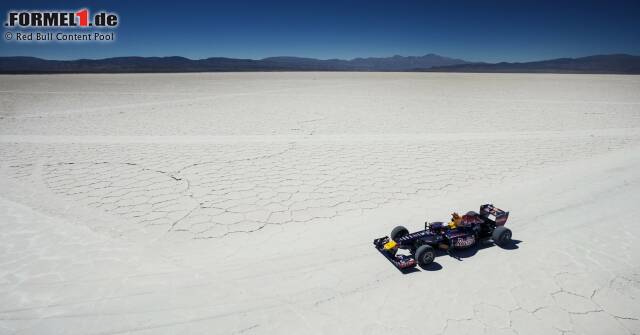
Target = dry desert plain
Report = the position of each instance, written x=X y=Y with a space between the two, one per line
x=246 y=203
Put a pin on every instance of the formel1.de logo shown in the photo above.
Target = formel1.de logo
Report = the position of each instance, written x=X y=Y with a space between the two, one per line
x=59 y=19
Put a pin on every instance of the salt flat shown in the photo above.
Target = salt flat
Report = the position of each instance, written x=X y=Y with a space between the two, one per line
x=247 y=202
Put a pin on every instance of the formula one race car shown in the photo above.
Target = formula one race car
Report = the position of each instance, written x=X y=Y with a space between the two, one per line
x=461 y=232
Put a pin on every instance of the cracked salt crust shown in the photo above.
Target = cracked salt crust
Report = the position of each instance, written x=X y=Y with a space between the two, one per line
x=254 y=210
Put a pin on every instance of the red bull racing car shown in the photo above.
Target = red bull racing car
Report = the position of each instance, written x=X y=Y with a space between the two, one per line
x=461 y=232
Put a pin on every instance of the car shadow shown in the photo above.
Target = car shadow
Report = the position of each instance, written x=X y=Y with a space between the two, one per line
x=435 y=266
x=469 y=252
x=408 y=270
x=511 y=246
x=461 y=254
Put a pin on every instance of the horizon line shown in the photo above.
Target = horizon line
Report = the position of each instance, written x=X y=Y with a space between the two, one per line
x=321 y=59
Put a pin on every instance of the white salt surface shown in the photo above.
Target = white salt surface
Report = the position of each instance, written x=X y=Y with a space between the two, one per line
x=247 y=203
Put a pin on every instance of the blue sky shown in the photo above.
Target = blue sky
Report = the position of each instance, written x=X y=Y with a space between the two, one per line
x=490 y=31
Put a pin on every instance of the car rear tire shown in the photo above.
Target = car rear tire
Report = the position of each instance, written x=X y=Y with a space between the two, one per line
x=501 y=236
x=398 y=232
x=425 y=255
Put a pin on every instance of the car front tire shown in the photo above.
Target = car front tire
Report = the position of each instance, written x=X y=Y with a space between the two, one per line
x=425 y=255
x=398 y=232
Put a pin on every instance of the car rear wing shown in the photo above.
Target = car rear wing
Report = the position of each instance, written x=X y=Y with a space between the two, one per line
x=495 y=214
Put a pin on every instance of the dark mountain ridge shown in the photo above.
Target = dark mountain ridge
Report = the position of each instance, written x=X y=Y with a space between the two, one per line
x=213 y=64
x=598 y=64
x=614 y=64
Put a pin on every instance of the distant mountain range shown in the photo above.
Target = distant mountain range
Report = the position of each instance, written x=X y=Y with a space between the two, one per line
x=614 y=64
x=181 y=64
x=619 y=63
x=395 y=63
